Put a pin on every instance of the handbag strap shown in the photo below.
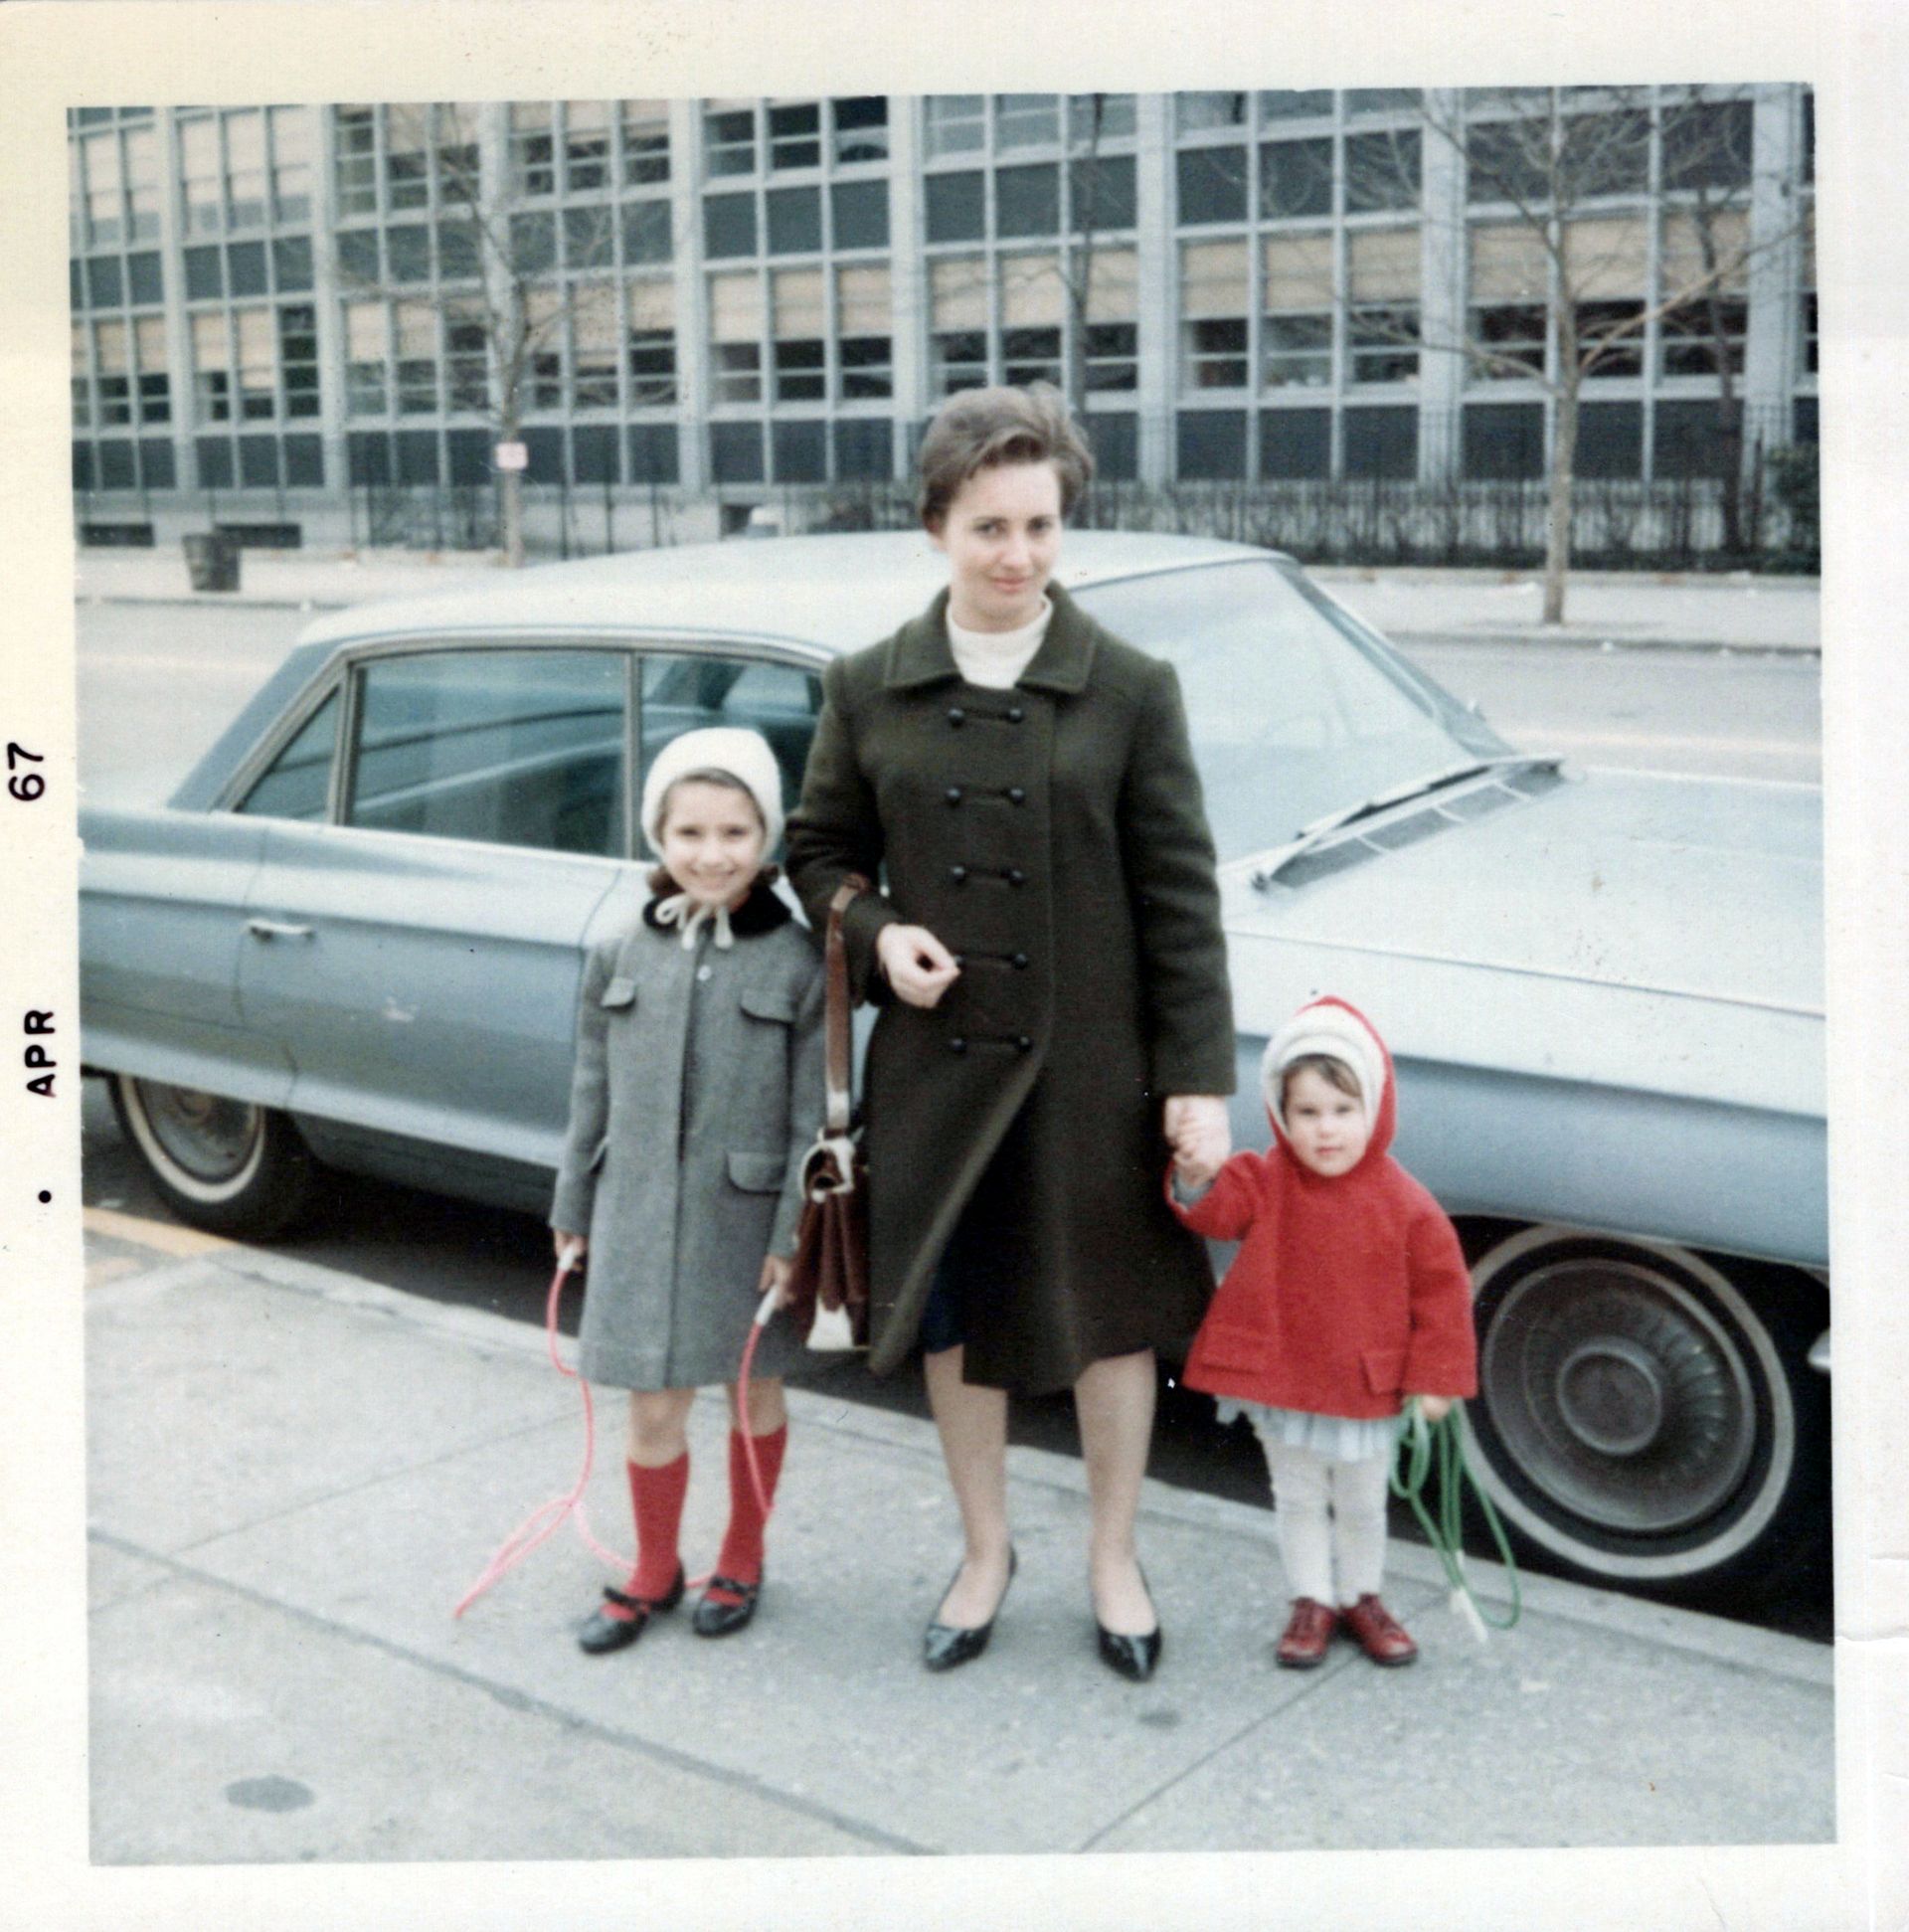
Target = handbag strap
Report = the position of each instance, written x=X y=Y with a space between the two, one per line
x=840 y=1072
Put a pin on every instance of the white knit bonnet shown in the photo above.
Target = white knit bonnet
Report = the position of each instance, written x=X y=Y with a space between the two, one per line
x=743 y=755
x=1328 y=1029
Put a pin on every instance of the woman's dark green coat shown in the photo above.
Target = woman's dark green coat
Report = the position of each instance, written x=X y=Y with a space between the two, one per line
x=1052 y=837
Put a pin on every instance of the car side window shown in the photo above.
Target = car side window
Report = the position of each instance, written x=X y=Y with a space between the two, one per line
x=510 y=747
x=686 y=693
x=297 y=783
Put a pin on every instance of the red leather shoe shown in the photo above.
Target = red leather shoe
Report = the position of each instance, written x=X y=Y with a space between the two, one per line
x=1378 y=1632
x=1308 y=1634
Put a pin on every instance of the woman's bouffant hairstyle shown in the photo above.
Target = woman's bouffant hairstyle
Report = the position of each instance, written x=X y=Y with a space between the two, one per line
x=976 y=429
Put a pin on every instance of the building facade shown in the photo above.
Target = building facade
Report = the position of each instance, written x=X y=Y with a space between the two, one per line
x=277 y=307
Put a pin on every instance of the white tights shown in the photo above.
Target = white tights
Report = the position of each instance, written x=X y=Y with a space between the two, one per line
x=1352 y=1546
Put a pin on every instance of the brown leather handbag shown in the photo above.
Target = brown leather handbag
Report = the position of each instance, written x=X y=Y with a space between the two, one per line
x=828 y=1278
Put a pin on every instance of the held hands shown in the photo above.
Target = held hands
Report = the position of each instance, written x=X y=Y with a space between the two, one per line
x=570 y=1246
x=1197 y=1130
x=917 y=966
x=776 y=1270
x=1433 y=1408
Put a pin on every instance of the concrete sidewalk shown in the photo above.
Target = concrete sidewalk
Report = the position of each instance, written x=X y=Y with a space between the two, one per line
x=294 y=1475
x=1603 y=608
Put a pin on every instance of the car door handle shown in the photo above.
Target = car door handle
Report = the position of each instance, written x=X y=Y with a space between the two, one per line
x=277 y=929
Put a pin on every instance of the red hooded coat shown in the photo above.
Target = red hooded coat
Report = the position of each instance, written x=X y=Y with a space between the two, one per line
x=1348 y=1293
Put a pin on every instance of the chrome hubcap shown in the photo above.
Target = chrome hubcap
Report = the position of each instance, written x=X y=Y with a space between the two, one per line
x=1619 y=1394
x=209 y=1137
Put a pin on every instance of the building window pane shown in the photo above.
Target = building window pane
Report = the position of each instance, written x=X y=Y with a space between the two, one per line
x=246 y=169
x=739 y=372
x=735 y=452
x=1212 y=184
x=960 y=361
x=1216 y=353
x=103 y=280
x=1026 y=120
x=1707 y=145
x=867 y=363
x=291 y=263
x=1196 y=111
x=1296 y=103
x=647 y=234
x=298 y=358
x=729 y=225
x=1609 y=441
x=955 y=207
x=143 y=282
x=1503 y=441
x=1297 y=351
x=794 y=135
x=800 y=372
x=245 y=268
x=1609 y=324
x=589 y=238
x=795 y=221
x=1211 y=445
x=1113 y=350
x=533 y=148
x=1030 y=356
x=366 y=359
x=729 y=142
x=1382 y=442
x=210 y=377
x=860 y=212
x=1296 y=179
x=355 y=138
x=1028 y=199
x=408 y=250
x=1382 y=171
x=1700 y=338
x=1101 y=193
x=1114 y=111
x=652 y=367
x=864 y=449
x=585 y=145
x=291 y=164
x=802 y=452
x=956 y=123
x=1380 y=101
x=199 y=184
x=257 y=364
x=467 y=359
x=156 y=384
x=861 y=128
x=645 y=142
x=533 y=244
x=1383 y=344
x=460 y=243
x=406 y=159
x=206 y=273
x=1296 y=442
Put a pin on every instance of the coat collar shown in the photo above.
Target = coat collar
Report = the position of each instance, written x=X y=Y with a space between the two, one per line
x=919 y=653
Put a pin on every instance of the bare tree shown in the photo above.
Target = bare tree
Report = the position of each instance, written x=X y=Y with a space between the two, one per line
x=1554 y=180
x=504 y=310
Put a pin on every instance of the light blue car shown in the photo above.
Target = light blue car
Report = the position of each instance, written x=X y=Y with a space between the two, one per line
x=355 y=933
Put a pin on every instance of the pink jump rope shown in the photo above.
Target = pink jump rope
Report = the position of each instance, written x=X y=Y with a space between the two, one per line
x=544 y=1521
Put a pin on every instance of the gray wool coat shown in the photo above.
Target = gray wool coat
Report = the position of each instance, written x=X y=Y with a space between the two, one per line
x=1052 y=837
x=698 y=1087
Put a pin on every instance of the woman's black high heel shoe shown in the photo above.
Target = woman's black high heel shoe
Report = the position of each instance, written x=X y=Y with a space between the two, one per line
x=1133 y=1658
x=947 y=1645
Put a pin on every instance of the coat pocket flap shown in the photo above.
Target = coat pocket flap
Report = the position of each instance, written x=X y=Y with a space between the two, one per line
x=758 y=1173
x=620 y=992
x=1384 y=1370
x=770 y=1002
x=1231 y=1345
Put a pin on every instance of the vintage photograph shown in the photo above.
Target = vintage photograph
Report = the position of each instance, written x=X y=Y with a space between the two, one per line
x=1286 y=622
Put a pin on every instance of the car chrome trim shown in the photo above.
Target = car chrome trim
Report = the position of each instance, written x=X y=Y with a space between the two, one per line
x=1819 y=1357
x=277 y=735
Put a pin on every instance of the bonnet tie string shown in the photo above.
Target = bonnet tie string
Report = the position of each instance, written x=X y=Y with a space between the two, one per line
x=679 y=909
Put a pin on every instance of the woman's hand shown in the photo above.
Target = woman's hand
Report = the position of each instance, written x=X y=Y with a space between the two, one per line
x=776 y=1270
x=570 y=1248
x=1197 y=1130
x=917 y=966
x=1433 y=1408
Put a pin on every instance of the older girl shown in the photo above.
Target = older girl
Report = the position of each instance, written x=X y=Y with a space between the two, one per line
x=698 y=1087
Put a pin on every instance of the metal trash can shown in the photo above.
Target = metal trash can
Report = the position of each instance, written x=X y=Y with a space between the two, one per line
x=212 y=560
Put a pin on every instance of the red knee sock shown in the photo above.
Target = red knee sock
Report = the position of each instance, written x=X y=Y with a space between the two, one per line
x=742 y=1556
x=656 y=1500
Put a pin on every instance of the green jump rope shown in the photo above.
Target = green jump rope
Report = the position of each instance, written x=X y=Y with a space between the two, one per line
x=1423 y=1446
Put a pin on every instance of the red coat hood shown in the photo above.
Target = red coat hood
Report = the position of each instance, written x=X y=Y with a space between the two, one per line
x=1336 y=1027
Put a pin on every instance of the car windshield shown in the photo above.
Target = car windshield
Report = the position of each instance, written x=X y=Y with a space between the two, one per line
x=1295 y=708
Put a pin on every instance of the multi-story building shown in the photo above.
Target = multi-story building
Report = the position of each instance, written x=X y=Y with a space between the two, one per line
x=274 y=305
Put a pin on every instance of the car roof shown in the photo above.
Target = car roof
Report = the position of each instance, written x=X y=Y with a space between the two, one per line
x=839 y=591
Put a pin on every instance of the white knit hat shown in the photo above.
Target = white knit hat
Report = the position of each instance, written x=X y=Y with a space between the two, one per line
x=743 y=755
x=1329 y=1028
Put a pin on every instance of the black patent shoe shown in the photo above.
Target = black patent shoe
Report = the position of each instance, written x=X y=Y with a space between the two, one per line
x=715 y=1617
x=947 y=1645
x=1133 y=1658
x=603 y=1633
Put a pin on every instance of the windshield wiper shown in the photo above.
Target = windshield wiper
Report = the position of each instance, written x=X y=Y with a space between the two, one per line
x=1308 y=836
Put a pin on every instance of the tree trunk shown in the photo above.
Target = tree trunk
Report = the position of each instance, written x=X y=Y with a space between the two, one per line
x=1557 y=529
x=511 y=493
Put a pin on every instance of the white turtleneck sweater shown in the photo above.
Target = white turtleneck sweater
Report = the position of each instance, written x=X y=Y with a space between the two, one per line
x=995 y=659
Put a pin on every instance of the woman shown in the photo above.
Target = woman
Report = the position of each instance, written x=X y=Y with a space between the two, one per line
x=1049 y=959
